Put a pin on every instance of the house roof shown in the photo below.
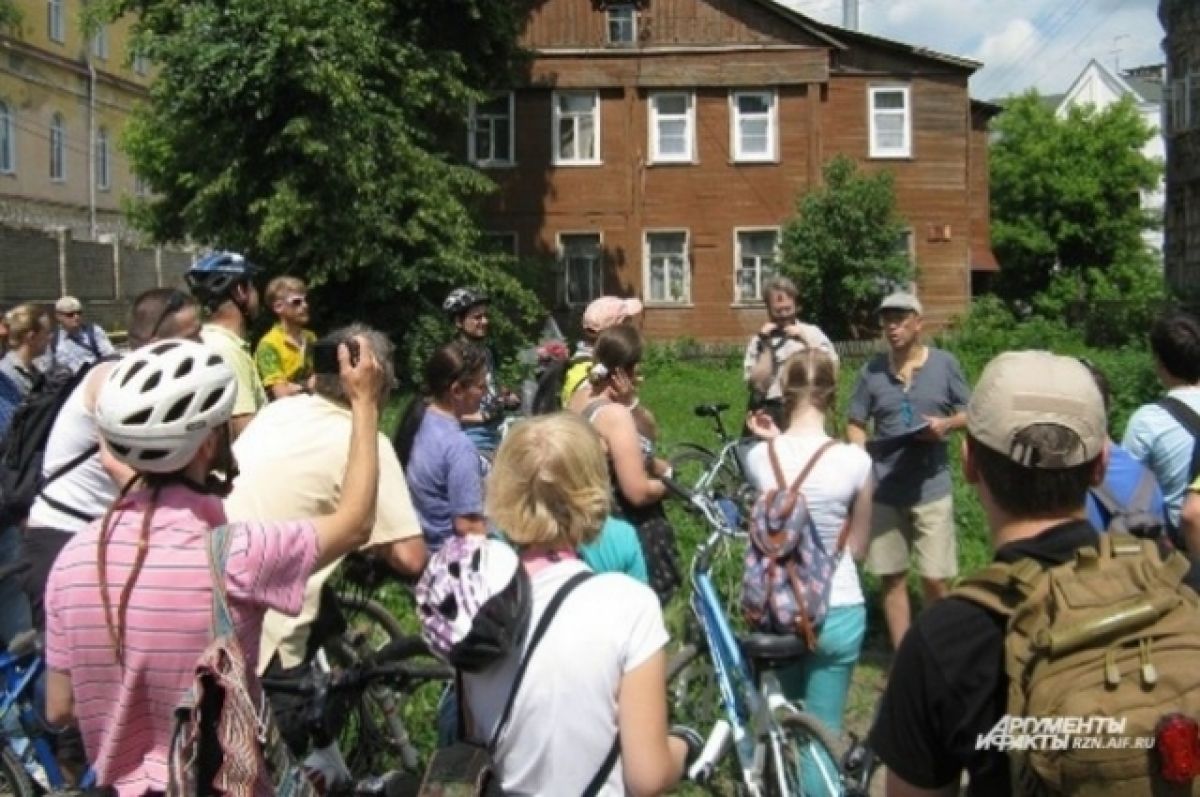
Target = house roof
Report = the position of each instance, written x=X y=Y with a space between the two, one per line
x=1142 y=90
x=838 y=38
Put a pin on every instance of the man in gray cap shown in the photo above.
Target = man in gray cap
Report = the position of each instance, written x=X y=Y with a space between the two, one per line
x=914 y=395
x=76 y=342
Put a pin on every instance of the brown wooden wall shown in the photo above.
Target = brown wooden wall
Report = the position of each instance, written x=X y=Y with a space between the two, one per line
x=579 y=23
x=820 y=114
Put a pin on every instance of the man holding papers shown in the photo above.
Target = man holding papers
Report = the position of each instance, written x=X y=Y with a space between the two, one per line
x=912 y=397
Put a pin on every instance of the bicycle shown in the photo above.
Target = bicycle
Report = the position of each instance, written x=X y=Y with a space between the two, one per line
x=780 y=750
x=373 y=730
x=28 y=764
x=724 y=471
x=326 y=690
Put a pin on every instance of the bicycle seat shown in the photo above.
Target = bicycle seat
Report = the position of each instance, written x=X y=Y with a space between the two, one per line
x=24 y=644
x=772 y=650
x=710 y=410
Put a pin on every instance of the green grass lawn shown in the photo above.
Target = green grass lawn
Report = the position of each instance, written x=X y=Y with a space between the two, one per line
x=672 y=389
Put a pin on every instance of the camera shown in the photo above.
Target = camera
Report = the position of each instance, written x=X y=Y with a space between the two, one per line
x=325 y=358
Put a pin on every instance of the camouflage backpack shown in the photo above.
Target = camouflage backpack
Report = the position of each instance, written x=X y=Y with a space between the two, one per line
x=223 y=736
x=789 y=572
x=1101 y=656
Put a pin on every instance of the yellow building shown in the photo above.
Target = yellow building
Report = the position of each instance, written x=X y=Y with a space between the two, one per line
x=65 y=95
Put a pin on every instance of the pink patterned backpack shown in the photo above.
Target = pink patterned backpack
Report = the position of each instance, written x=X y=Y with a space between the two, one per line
x=789 y=572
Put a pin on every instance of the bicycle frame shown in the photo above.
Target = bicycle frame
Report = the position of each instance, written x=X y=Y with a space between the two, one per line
x=748 y=705
x=20 y=676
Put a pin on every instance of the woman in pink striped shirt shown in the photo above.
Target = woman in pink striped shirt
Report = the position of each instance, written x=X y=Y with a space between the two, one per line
x=128 y=603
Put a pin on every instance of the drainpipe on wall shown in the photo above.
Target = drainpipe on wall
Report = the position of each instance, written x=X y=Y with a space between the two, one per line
x=91 y=158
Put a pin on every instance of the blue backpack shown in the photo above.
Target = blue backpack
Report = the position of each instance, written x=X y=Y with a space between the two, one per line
x=789 y=571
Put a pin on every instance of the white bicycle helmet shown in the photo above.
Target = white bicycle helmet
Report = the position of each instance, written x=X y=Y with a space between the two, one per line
x=159 y=404
x=474 y=601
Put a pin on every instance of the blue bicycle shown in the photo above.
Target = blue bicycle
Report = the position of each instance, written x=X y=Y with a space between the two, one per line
x=28 y=765
x=780 y=750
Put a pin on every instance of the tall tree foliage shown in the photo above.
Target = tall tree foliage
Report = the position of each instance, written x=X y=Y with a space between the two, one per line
x=1067 y=220
x=321 y=138
x=843 y=248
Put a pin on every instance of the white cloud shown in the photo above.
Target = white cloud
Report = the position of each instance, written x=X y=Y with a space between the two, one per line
x=1022 y=43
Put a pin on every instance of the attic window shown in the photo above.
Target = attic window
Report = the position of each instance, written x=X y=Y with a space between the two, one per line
x=622 y=24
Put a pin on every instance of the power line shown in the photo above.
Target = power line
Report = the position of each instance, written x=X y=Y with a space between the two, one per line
x=1080 y=41
x=1029 y=51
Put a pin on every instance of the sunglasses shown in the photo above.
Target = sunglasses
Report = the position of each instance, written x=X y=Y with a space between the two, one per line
x=297 y=301
x=71 y=314
x=175 y=303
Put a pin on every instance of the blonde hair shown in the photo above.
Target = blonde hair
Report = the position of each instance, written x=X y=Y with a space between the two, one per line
x=23 y=320
x=549 y=485
x=281 y=286
x=809 y=377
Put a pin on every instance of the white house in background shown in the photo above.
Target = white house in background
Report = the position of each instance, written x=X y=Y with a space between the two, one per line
x=1099 y=86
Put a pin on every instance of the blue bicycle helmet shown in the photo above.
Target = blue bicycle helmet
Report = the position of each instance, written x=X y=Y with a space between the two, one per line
x=213 y=277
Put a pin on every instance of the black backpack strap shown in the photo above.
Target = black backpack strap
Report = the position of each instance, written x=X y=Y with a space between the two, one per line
x=89 y=331
x=601 y=776
x=1186 y=417
x=538 y=632
x=63 y=470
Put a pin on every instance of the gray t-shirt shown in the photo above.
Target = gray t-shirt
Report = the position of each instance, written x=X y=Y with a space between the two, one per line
x=917 y=473
x=21 y=377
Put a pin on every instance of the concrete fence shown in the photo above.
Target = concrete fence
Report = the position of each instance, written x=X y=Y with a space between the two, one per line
x=40 y=266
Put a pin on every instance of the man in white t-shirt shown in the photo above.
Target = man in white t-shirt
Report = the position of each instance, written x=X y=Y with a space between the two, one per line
x=291 y=461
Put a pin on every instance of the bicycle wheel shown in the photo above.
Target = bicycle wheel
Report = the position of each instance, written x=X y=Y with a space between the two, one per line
x=14 y=780
x=371 y=734
x=691 y=463
x=811 y=758
x=693 y=695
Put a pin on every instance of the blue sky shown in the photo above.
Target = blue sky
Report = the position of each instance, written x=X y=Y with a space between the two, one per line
x=1022 y=43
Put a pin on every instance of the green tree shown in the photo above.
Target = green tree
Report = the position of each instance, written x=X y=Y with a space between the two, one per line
x=321 y=139
x=1066 y=208
x=10 y=16
x=843 y=247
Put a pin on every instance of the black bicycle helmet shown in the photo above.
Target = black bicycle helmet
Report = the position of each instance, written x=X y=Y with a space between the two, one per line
x=213 y=277
x=474 y=600
x=461 y=300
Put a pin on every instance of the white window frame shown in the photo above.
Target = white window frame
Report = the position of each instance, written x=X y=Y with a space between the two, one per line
x=738 y=232
x=689 y=119
x=596 y=278
x=686 y=297
x=139 y=185
x=103 y=160
x=557 y=118
x=492 y=120
x=8 y=140
x=735 y=132
x=905 y=113
x=504 y=241
x=56 y=25
x=140 y=64
x=100 y=43
x=907 y=244
x=629 y=8
x=58 y=148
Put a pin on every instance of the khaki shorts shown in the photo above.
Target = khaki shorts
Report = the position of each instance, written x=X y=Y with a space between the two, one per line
x=927 y=529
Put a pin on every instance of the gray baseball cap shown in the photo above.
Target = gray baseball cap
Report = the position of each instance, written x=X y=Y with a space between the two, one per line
x=900 y=300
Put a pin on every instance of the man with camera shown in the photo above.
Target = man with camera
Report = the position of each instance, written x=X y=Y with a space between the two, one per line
x=291 y=461
x=781 y=337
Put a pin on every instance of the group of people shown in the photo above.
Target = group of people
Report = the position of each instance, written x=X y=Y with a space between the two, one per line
x=192 y=430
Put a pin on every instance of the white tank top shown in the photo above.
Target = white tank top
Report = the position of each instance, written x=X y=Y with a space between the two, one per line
x=87 y=487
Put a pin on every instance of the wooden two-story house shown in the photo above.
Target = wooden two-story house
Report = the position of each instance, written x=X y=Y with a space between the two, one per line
x=657 y=148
